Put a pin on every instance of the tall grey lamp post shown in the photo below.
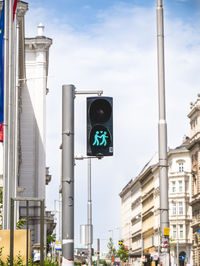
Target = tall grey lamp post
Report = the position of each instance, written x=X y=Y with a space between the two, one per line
x=162 y=137
x=89 y=207
x=111 y=230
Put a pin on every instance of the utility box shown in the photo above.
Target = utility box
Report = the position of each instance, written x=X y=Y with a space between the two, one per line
x=20 y=244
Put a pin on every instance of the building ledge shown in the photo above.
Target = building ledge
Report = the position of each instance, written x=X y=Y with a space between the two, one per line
x=195 y=199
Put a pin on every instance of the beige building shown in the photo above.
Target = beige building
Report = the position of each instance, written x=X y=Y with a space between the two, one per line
x=131 y=218
x=194 y=147
x=144 y=191
x=180 y=211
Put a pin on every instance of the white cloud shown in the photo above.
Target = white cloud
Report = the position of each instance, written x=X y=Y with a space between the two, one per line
x=118 y=55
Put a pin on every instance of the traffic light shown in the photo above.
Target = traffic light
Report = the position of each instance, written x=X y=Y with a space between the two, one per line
x=120 y=242
x=100 y=126
x=182 y=256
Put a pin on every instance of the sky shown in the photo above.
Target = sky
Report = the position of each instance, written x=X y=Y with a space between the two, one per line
x=112 y=46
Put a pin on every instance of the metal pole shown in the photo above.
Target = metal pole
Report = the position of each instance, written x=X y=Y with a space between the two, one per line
x=11 y=93
x=177 y=239
x=162 y=131
x=68 y=93
x=11 y=231
x=89 y=215
x=98 y=251
x=141 y=238
x=42 y=232
x=27 y=232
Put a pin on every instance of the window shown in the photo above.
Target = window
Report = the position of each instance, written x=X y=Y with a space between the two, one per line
x=180 y=207
x=181 y=230
x=180 y=186
x=194 y=184
x=152 y=240
x=173 y=208
x=180 y=167
x=173 y=186
x=174 y=231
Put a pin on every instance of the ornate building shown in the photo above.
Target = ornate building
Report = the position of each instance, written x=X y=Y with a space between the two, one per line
x=194 y=147
x=31 y=173
x=140 y=202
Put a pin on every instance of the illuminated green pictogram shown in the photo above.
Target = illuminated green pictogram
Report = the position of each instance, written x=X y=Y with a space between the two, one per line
x=100 y=138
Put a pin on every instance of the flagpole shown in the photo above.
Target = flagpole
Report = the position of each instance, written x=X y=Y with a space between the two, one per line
x=5 y=133
x=9 y=88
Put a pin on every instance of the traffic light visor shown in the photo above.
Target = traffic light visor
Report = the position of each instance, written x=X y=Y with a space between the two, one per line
x=100 y=111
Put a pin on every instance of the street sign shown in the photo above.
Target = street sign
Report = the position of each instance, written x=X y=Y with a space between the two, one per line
x=143 y=259
x=58 y=245
x=166 y=231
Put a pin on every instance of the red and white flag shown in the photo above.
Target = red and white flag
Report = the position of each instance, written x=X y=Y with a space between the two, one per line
x=14 y=8
x=1 y=132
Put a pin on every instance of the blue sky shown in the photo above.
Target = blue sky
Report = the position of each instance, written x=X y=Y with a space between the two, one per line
x=79 y=14
x=111 y=45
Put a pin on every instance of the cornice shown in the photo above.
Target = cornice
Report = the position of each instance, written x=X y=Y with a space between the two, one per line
x=38 y=43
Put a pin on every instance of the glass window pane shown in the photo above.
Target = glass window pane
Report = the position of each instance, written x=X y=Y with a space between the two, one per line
x=180 y=207
x=180 y=186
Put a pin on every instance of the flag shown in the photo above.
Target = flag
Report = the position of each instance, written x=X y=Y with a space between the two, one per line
x=1 y=71
x=14 y=8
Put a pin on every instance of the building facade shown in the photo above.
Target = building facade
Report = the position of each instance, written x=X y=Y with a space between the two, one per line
x=131 y=219
x=194 y=148
x=180 y=212
x=31 y=173
x=32 y=137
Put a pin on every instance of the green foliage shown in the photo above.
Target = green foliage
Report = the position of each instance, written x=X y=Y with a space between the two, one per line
x=122 y=253
x=1 y=250
x=50 y=239
x=111 y=248
x=20 y=223
x=77 y=263
x=46 y=262
x=103 y=262
x=19 y=260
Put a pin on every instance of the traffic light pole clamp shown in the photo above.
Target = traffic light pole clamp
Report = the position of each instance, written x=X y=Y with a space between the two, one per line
x=99 y=93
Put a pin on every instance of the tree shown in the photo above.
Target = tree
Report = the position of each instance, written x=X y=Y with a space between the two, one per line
x=122 y=253
x=111 y=248
x=50 y=239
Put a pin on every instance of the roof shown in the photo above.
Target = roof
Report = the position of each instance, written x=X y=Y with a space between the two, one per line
x=152 y=162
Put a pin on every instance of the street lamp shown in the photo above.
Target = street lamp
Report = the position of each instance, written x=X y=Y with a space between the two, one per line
x=111 y=230
x=177 y=239
x=89 y=209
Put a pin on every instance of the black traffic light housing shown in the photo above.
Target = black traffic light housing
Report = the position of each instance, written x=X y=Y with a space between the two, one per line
x=100 y=126
x=120 y=242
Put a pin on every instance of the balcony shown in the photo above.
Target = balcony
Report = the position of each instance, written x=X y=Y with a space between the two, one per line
x=48 y=176
x=148 y=224
x=195 y=220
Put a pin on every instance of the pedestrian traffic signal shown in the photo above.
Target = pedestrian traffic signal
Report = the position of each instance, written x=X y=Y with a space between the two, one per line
x=120 y=242
x=100 y=126
x=182 y=256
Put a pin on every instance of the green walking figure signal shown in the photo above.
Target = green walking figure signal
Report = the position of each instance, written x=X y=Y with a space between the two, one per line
x=101 y=137
x=99 y=126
